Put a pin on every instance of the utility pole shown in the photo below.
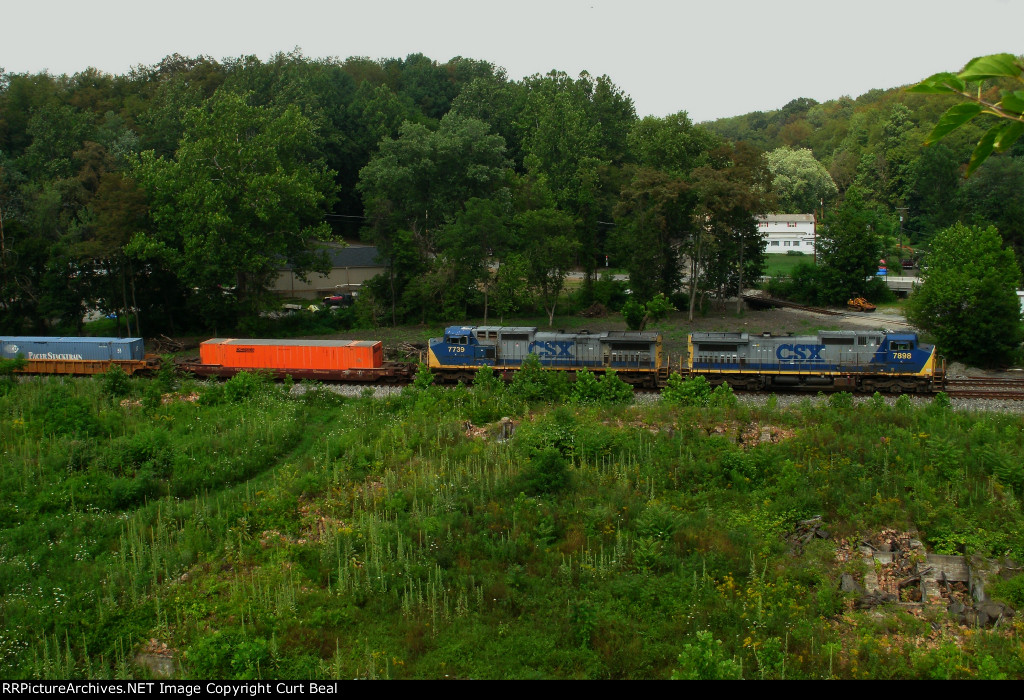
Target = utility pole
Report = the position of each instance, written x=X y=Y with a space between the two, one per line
x=901 y=209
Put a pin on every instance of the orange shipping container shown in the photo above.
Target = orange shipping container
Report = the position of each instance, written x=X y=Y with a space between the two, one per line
x=292 y=354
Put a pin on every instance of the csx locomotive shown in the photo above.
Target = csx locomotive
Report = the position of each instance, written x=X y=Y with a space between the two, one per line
x=852 y=360
x=636 y=356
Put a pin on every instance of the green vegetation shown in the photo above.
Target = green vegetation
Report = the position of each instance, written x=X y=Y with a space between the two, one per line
x=779 y=265
x=969 y=84
x=264 y=533
x=174 y=194
x=968 y=301
x=848 y=250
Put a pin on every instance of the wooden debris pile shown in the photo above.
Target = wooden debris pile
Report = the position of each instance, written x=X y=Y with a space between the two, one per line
x=500 y=431
x=404 y=350
x=901 y=571
x=805 y=531
x=164 y=345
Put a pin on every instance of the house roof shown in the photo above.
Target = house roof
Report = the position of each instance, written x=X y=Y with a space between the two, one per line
x=787 y=217
x=354 y=256
x=349 y=256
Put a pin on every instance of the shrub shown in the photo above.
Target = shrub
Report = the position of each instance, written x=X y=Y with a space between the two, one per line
x=841 y=400
x=548 y=472
x=614 y=390
x=116 y=383
x=244 y=385
x=64 y=414
x=534 y=383
x=633 y=313
x=487 y=382
x=686 y=392
x=424 y=377
x=705 y=660
x=722 y=396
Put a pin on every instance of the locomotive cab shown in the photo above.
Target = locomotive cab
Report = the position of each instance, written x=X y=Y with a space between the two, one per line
x=901 y=353
x=460 y=346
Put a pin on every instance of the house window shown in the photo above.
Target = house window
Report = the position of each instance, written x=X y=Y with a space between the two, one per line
x=786 y=244
x=775 y=243
x=796 y=244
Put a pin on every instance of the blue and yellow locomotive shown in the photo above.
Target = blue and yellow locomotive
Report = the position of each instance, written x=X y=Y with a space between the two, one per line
x=851 y=360
x=635 y=355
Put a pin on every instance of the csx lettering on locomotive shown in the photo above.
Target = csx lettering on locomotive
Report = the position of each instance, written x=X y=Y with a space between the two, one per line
x=551 y=348
x=810 y=353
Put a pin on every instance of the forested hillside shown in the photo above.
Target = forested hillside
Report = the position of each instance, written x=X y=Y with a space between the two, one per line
x=174 y=193
x=875 y=143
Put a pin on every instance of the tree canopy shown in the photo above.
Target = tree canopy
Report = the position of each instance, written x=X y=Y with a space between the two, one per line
x=802 y=184
x=968 y=301
x=244 y=192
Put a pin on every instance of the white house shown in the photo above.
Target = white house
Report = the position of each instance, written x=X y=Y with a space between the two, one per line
x=783 y=233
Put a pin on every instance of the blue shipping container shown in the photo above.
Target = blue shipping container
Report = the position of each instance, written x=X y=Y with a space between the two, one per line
x=44 y=348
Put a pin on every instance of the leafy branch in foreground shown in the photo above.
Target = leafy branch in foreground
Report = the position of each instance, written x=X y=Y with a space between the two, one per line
x=968 y=83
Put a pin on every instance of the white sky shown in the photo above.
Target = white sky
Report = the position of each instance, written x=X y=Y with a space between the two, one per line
x=710 y=58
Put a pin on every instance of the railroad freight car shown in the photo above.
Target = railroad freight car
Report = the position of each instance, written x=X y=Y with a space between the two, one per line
x=53 y=355
x=636 y=356
x=324 y=360
x=849 y=360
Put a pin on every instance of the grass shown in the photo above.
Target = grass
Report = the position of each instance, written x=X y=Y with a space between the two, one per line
x=778 y=265
x=264 y=534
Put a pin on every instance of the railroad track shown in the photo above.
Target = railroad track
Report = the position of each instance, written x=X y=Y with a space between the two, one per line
x=986 y=388
x=757 y=300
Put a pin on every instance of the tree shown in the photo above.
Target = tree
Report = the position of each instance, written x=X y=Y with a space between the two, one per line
x=994 y=196
x=509 y=288
x=800 y=182
x=420 y=182
x=968 y=300
x=725 y=245
x=245 y=190
x=848 y=248
x=968 y=83
x=932 y=198
x=479 y=234
x=549 y=250
x=653 y=216
x=639 y=315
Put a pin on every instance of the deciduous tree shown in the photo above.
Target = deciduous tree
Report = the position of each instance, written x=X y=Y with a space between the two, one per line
x=245 y=190
x=800 y=182
x=968 y=300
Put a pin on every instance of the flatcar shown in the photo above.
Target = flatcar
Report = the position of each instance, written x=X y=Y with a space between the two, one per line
x=322 y=360
x=864 y=361
x=636 y=356
x=64 y=355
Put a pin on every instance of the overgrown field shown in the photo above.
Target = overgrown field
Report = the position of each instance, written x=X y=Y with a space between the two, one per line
x=260 y=532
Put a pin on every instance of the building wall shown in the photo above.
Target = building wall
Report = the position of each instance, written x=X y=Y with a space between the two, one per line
x=784 y=233
x=338 y=279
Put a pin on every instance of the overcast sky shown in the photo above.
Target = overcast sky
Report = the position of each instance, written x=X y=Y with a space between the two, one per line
x=710 y=58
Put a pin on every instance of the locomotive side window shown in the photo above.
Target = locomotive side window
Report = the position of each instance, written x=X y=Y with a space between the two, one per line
x=901 y=345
